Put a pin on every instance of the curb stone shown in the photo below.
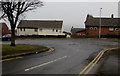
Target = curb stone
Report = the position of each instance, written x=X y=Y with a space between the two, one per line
x=49 y=49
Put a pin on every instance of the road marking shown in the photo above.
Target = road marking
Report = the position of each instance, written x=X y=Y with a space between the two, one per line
x=87 y=69
x=90 y=63
x=93 y=63
x=10 y=59
x=44 y=64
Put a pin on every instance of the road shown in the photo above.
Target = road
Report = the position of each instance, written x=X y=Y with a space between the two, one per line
x=69 y=57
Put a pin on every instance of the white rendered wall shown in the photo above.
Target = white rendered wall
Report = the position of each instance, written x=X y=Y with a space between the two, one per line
x=44 y=31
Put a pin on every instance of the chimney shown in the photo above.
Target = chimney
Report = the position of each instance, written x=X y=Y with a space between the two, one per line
x=89 y=16
x=72 y=27
x=112 y=16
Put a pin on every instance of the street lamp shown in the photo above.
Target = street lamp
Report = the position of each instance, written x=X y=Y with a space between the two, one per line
x=100 y=24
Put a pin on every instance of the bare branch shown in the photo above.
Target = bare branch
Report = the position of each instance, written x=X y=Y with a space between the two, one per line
x=13 y=9
x=24 y=5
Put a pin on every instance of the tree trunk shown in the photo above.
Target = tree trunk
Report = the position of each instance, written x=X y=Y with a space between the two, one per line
x=13 y=37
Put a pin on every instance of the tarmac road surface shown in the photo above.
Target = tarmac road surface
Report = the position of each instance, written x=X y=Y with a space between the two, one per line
x=69 y=57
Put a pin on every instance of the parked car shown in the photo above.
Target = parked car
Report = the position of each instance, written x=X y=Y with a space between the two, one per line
x=6 y=37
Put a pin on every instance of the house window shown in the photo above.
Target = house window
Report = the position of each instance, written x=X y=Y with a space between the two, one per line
x=95 y=28
x=36 y=30
x=40 y=29
x=91 y=28
x=24 y=29
x=20 y=29
x=111 y=29
x=56 y=30
x=117 y=29
x=79 y=34
x=83 y=34
x=53 y=30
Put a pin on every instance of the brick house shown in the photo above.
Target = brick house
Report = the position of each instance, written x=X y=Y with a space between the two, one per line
x=5 y=29
x=80 y=32
x=109 y=26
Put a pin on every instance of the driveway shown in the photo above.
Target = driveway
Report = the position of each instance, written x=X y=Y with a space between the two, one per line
x=69 y=57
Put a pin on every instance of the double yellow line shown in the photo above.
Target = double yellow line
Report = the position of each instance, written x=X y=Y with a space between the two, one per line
x=87 y=69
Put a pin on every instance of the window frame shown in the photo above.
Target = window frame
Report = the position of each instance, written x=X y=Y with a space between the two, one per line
x=53 y=30
x=40 y=29
x=56 y=30
x=24 y=29
x=20 y=29
x=36 y=30
x=91 y=28
x=111 y=29
x=95 y=28
x=118 y=29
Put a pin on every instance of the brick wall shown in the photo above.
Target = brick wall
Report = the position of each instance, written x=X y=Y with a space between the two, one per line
x=5 y=29
x=94 y=31
x=81 y=33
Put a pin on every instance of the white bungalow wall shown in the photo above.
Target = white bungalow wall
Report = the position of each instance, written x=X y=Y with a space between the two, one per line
x=44 y=31
x=50 y=32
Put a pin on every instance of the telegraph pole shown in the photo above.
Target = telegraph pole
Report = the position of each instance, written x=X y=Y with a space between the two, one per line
x=100 y=24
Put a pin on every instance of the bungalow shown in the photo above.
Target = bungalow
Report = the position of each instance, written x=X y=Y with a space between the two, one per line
x=109 y=26
x=40 y=27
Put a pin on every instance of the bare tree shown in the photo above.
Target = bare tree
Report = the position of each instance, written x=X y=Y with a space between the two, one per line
x=13 y=9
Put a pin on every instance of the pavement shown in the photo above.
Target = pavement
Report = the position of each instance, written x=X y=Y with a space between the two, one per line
x=69 y=57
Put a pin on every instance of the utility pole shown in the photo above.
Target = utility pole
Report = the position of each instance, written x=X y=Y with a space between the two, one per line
x=100 y=24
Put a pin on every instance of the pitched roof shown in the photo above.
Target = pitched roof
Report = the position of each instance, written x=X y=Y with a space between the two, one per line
x=75 y=30
x=68 y=33
x=3 y=25
x=94 y=21
x=40 y=24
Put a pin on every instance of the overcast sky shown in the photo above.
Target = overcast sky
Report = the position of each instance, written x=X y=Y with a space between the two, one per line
x=73 y=13
x=81 y=0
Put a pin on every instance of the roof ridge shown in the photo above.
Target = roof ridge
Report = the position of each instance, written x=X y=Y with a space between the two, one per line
x=41 y=20
x=105 y=18
x=40 y=24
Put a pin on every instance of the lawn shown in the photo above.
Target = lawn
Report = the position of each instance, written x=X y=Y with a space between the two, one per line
x=10 y=50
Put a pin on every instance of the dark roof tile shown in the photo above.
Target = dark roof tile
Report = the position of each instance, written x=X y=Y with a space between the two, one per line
x=75 y=30
x=114 y=22
x=40 y=24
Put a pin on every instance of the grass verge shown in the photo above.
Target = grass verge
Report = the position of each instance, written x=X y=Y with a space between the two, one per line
x=8 y=50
